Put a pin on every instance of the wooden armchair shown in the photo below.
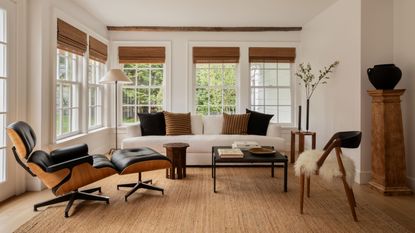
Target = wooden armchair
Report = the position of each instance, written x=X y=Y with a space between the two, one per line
x=319 y=163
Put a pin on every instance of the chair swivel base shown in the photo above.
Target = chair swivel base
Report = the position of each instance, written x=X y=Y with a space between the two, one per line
x=72 y=196
x=138 y=185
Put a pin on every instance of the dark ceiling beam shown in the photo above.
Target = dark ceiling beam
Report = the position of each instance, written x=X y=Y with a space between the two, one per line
x=201 y=29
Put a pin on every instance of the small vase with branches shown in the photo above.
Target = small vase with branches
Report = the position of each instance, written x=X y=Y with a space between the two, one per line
x=311 y=81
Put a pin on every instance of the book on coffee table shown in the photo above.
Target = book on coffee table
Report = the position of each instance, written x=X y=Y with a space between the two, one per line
x=230 y=153
x=245 y=145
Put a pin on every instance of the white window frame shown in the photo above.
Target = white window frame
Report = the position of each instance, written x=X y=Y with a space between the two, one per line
x=99 y=70
x=84 y=97
x=77 y=83
x=277 y=87
x=221 y=87
x=147 y=87
x=167 y=75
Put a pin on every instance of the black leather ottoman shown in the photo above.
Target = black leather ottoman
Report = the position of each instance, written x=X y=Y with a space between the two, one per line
x=139 y=160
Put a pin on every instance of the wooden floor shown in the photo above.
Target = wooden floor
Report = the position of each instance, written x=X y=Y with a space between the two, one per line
x=18 y=210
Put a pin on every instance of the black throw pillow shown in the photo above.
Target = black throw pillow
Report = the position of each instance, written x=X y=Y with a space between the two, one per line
x=152 y=123
x=258 y=122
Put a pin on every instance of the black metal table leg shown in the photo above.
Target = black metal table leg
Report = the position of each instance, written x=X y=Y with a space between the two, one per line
x=285 y=175
x=214 y=176
x=272 y=169
x=212 y=163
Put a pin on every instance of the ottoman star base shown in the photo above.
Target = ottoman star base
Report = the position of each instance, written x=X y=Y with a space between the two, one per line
x=139 y=160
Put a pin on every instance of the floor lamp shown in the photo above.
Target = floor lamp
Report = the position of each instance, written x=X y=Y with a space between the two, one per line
x=115 y=76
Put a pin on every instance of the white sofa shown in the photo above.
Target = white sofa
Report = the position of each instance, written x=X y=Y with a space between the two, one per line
x=206 y=132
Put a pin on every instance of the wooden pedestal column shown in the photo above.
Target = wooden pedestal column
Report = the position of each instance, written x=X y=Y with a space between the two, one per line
x=388 y=149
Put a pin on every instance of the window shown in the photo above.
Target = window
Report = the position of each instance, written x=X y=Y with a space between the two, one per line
x=146 y=93
x=215 y=88
x=96 y=70
x=271 y=90
x=3 y=94
x=68 y=84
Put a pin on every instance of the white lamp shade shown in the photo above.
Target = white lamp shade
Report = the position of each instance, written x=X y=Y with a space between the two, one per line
x=115 y=75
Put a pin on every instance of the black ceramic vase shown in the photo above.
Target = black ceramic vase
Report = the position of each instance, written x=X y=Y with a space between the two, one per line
x=384 y=76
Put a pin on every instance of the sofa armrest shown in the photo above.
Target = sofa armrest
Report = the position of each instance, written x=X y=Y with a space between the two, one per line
x=274 y=130
x=134 y=130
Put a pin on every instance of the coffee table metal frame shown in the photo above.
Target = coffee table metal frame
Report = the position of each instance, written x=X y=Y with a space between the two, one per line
x=249 y=158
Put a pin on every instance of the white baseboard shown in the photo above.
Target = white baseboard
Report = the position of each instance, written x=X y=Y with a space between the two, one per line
x=363 y=177
x=411 y=183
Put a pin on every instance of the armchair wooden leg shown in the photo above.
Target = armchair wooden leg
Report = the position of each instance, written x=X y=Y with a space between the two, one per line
x=302 y=193
x=308 y=186
x=349 y=198
x=353 y=198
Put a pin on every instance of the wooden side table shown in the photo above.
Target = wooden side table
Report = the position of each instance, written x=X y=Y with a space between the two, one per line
x=176 y=152
x=301 y=138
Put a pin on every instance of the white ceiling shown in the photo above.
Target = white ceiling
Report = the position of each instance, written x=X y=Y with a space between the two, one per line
x=283 y=13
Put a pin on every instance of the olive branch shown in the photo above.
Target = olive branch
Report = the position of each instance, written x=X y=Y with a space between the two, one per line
x=309 y=79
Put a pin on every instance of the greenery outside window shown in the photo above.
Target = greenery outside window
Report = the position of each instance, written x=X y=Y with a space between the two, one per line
x=215 y=88
x=271 y=90
x=68 y=84
x=146 y=92
x=96 y=70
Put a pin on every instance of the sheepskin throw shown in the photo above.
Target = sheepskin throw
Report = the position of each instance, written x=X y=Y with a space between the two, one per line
x=307 y=164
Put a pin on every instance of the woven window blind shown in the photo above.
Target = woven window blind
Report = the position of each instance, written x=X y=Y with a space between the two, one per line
x=71 y=39
x=215 y=55
x=258 y=54
x=142 y=55
x=98 y=51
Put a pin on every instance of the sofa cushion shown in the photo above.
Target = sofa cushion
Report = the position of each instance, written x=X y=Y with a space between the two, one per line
x=235 y=123
x=152 y=123
x=200 y=143
x=212 y=124
x=258 y=122
x=197 y=124
x=178 y=123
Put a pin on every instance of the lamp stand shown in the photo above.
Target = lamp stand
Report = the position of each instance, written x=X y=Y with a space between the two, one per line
x=112 y=150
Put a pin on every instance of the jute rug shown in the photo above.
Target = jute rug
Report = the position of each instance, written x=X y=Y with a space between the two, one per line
x=248 y=200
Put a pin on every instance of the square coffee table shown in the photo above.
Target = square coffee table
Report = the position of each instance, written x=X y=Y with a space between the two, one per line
x=249 y=158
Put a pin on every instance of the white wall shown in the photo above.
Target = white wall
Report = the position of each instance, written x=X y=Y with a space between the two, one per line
x=335 y=35
x=377 y=48
x=404 y=57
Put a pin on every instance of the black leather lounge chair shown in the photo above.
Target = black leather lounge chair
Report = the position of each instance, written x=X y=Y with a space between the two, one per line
x=63 y=170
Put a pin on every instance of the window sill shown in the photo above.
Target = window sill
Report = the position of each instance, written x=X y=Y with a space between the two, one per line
x=80 y=135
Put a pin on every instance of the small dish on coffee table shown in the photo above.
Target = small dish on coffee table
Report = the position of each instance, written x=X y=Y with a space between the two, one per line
x=262 y=151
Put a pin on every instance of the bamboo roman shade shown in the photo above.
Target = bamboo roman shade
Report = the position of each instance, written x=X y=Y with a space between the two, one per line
x=215 y=55
x=98 y=51
x=142 y=54
x=258 y=54
x=71 y=39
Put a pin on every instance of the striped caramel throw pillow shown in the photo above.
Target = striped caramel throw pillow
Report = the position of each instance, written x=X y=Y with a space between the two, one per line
x=235 y=123
x=178 y=123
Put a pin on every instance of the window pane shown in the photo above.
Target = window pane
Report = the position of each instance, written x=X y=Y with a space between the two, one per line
x=284 y=96
x=143 y=78
x=99 y=115
x=284 y=66
x=229 y=97
x=270 y=78
x=126 y=66
x=257 y=77
x=257 y=96
x=142 y=109
x=2 y=131
x=215 y=96
x=284 y=114
x=128 y=96
x=3 y=94
x=215 y=110
x=128 y=114
x=202 y=96
x=3 y=22
x=156 y=108
x=259 y=108
x=284 y=78
x=229 y=77
x=142 y=96
x=92 y=116
x=58 y=122
x=156 y=77
x=3 y=60
x=156 y=96
x=131 y=74
x=66 y=121
x=61 y=66
x=74 y=119
x=215 y=77
x=3 y=165
x=66 y=95
x=202 y=77
x=202 y=110
x=270 y=65
x=271 y=97
x=229 y=109
x=92 y=96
